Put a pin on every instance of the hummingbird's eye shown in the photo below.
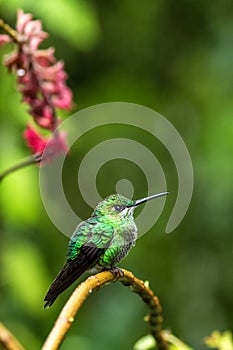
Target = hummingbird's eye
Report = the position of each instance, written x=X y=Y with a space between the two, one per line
x=118 y=208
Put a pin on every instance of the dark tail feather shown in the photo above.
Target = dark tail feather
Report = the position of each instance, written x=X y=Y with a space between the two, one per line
x=69 y=273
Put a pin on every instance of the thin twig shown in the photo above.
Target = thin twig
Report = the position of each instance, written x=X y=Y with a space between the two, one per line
x=36 y=158
x=7 y=340
x=9 y=30
x=66 y=317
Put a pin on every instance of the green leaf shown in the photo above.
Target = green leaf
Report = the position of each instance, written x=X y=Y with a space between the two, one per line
x=220 y=341
x=145 y=343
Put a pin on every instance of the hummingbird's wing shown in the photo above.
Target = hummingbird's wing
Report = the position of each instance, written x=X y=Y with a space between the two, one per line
x=87 y=243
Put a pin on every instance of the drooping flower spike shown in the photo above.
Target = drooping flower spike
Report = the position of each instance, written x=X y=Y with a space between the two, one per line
x=41 y=80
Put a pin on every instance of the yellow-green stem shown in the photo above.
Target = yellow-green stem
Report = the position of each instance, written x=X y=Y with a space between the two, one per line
x=67 y=315
x=9 y=30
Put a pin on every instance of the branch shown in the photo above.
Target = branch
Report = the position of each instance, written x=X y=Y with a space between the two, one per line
x=36 y=158
x=7 y=340
x=66 y=317
x=10 y=31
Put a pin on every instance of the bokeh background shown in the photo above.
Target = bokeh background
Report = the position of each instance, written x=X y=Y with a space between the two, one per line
x=176 y=58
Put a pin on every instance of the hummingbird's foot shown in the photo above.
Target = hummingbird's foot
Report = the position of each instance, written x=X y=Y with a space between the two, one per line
x=116 y=271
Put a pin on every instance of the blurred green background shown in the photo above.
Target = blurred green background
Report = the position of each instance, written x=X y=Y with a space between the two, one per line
x=175 y=57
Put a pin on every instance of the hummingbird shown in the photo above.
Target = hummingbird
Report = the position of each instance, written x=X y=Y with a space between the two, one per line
x=100 y=242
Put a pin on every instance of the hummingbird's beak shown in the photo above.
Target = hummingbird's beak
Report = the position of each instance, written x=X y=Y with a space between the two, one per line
x=143 y=200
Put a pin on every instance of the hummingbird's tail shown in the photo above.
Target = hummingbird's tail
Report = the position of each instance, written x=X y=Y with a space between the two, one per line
x=68 y=274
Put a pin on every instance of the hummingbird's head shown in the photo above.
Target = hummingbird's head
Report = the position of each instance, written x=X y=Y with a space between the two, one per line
x=118 y=207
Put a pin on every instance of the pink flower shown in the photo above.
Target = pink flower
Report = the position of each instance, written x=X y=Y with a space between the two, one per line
x=58 y=143
x=52 y=146
x=42 y=114
x=45 y=57
x=41 y=81
x=31 y=31
x=4 y=39
x=34 y=140
x=22 y=20
x=63 y=99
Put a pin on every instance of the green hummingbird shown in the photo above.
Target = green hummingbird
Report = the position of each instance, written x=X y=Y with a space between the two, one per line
x=99 y=242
